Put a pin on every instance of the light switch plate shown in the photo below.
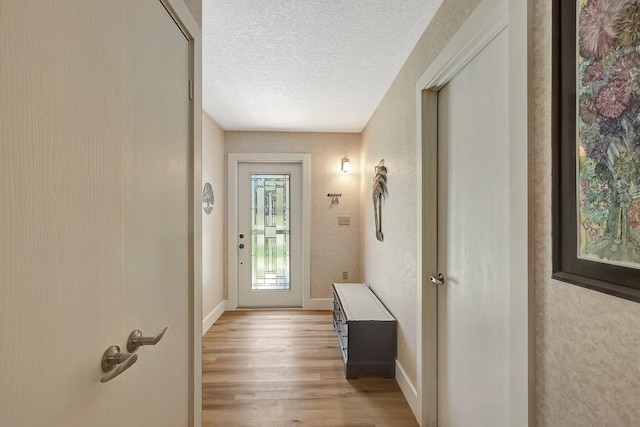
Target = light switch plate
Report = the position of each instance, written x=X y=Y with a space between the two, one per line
x=344 y=220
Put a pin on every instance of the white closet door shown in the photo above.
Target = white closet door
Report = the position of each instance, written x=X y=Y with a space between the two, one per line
x=473 y=243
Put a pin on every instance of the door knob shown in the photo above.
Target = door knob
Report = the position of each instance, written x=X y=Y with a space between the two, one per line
x=438 y=279
x=136 y=340
x=242 y=236
x=241 y=246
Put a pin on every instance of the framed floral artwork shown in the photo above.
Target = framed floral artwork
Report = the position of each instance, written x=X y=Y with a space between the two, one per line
x=596 y=200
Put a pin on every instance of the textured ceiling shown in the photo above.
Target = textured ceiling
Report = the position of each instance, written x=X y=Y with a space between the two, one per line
x=304 y=65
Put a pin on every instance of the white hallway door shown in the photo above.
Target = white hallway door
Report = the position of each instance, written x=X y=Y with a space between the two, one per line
x=473 y=243
x=269 y=241
x=95 y=177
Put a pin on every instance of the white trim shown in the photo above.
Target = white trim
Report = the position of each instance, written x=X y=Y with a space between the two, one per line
x=486 y=22
x=408 y=389
x=318 y=304
x=232 y=218
x=212 y=317
x=190 y=28
x=521 y=293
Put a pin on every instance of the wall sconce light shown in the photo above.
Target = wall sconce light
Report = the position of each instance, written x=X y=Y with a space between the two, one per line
x=346 y=165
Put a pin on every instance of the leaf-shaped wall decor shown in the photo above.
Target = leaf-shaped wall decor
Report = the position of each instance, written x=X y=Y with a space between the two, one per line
x=379 y=193
x=207 y=198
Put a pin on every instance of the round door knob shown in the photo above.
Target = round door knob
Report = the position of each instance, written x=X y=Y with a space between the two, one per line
x=242 y=236
x=241 y=246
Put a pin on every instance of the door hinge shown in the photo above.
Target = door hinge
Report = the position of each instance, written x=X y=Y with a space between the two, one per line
x=191 y=89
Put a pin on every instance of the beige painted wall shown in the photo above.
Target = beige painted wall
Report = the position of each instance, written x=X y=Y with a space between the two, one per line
x=587 y=343
x=390 y=266
x=213 y=224
x=334 y=248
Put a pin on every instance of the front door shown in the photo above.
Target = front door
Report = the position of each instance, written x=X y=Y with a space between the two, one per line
x=269 y=241
x=94 y=215
x=473 y=243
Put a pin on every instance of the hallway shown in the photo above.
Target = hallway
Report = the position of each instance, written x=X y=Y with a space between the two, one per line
x=283 y=368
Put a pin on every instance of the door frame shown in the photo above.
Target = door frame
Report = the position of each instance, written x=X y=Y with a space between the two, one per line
x=190 y=28
x=485 y=23
x=232 y=218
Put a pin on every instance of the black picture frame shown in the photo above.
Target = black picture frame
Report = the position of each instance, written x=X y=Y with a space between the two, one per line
x=610 y=279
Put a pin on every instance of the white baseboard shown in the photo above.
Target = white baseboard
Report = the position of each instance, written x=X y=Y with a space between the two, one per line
x=318 y=304
x=310 y=304
x=213 y=316
x=409 y=391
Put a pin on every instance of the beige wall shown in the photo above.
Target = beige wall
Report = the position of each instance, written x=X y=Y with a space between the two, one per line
x=213 y=224
x=334 y=248
x=390 y=266
x=587 y=343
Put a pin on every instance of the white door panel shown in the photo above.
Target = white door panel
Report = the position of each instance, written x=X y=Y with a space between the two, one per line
x=156 y=218
x=473 y=236
x=251 y=291
x=94 y=217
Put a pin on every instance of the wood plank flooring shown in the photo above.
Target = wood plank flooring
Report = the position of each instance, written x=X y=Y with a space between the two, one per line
x=284 y=368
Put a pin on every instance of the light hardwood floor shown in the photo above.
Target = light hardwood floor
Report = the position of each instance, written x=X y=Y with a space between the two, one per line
x=284 y=368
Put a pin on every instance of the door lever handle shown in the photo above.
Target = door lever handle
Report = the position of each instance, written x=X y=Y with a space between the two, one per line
x=137 y=340
x=114 y=362
x=438 y=280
